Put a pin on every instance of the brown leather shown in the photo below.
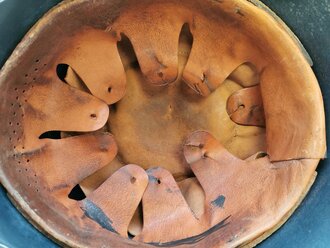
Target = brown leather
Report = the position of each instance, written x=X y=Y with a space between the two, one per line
x=236 y=192
x=205 y=98
x=81 y=53
x=245 y=107
x=166 y=214
x=36 y=115
x=127 y=198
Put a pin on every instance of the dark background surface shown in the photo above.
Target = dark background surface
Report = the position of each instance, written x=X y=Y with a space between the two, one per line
x=309 y=19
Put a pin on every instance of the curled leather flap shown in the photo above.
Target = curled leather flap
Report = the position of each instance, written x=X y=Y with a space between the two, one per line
x=161 y=68
x=94 y=56
x=233 y=187
x=76 y=158
x=211 y=61
x=245 y=107
x=175 y=218
x=53 y=106
x=113 y=204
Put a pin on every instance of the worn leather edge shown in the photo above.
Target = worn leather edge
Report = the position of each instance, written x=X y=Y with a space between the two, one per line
x=33 y=223
x=26 y=211
x=264 y=7
x=266 y=234
x=30 y=36
x=12 y=194
x=36 y=221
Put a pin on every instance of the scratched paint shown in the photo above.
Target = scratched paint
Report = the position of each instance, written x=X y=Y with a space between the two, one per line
x=194 y=239
x=219 y=202
x=95 y=213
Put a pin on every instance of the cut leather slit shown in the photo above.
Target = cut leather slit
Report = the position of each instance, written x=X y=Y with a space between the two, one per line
x=76 y=193
x=136 y=224
x=93 y=181
x=261 y=155
x=194 y=195
x=69 y=76
x=127 y=53
x=51 y=135
x=186 y=40
x=61 y=71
